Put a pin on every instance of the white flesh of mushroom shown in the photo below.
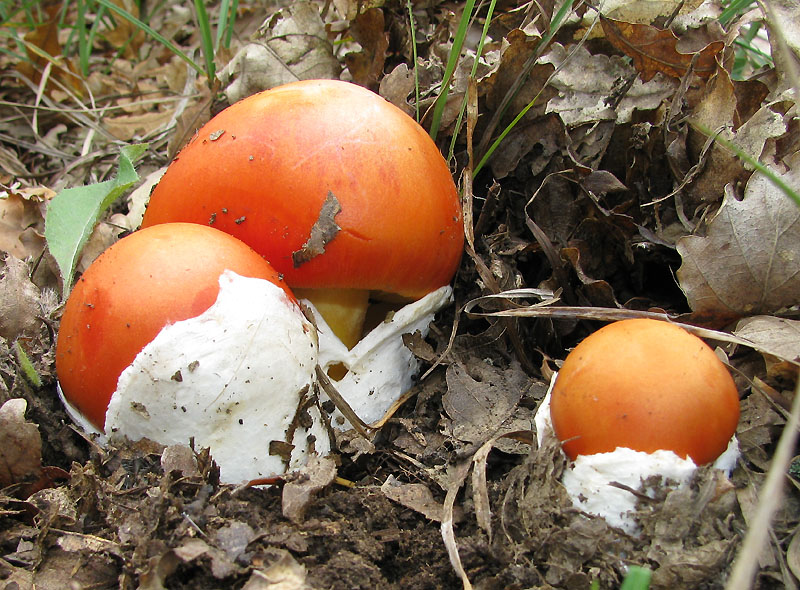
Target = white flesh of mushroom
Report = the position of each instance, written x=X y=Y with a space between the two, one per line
x=232 y=378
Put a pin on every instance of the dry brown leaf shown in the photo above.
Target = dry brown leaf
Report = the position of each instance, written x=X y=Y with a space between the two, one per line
x=298 y=493
x=587 y=85
x=234 y=537
x=20 y=445
x=124 y=34
x=727 y=108
x=45 y=37
x=284 y=574
x=749 y=260
x=19 y=300
x=61 y=569
x=396 y=86
x=292 y=45
x=780 y=334
x=793 y=555
x=655 y=50
x=366 y=66
x=646 y=11
x=128 y=127
x=416 y=496
x=22 y=221
x=480 y=398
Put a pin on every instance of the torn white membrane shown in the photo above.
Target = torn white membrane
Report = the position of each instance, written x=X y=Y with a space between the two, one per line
x=232 y=378
x=588 y=479
x=380 y=368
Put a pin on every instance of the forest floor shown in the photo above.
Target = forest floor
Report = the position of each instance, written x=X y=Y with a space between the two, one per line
x=605 y=199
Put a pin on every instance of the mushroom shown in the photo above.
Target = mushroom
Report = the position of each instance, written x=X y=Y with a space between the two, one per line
x=638 y=400
x=646 y=385
x=180 y=332
x=341 y=191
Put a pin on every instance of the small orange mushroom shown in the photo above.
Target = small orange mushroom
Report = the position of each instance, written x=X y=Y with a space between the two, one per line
x=342 y=192
x=144 y=282
x=646 y=385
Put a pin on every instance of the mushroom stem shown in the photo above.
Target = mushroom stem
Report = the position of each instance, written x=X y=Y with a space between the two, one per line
x=343 y=309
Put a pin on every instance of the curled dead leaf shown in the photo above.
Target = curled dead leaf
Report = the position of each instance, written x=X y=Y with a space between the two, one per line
x=655 y=50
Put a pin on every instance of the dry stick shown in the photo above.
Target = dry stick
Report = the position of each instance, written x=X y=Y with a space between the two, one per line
x=744 y=569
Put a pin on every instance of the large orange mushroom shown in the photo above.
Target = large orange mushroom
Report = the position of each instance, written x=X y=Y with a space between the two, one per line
x=342 y=192
x=645 y=385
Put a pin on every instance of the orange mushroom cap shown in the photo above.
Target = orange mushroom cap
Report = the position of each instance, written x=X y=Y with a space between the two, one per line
x=332 y=184
x=645 y=385
x=142 y=283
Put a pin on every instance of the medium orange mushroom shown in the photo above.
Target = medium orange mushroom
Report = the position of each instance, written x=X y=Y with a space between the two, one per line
x=342 y=192
x=646 y=385
x=146 y=281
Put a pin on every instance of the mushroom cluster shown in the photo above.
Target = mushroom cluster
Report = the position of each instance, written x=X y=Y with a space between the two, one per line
x=190 y=327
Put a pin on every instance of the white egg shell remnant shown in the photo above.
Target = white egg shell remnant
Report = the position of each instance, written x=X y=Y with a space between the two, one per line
x=588 y=480
x=232 y=378
x=380 y=368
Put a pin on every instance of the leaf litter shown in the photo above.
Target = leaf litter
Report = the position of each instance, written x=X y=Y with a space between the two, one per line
x=605 y=194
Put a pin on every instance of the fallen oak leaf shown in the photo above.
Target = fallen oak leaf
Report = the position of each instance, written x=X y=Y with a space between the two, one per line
x=748 y=262
x=655 y=50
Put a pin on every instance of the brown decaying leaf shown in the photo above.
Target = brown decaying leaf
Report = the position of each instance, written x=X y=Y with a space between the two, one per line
x=45 y=37
x=292 y=45
x=655 y=50
x=20 y=445
x=19 y=300
x=366 y=66
x=22 y=221
x=125 y=35
x=323 y=231
x=781 y=334
x=416 y=496
x=749 y=260
x=480 y=398
x=303 y=485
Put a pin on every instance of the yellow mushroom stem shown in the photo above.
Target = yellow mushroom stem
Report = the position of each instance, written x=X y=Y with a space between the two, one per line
x=343 y=309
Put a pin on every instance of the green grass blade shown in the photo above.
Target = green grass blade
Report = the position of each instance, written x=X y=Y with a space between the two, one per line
x=84 y=42
x=734 y=9
x=151 y=32
x=478 y=53
x=452 y=62
x=555 y=24
x=637 y=578
x=205 y=37
x=227 y=18
x=26 y=365
x=414 y=54
x=504 y=133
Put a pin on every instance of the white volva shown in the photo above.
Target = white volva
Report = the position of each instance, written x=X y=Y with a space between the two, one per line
x=232 y=378
x=380 y=368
